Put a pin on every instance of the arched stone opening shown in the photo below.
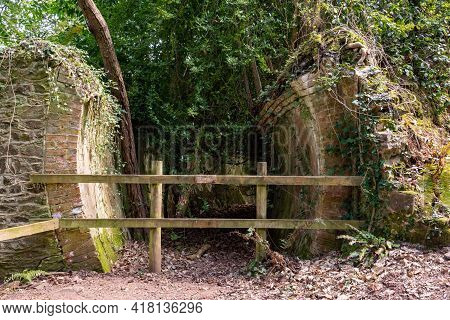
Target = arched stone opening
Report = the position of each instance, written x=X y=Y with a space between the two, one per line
x=308 y=124
x=301 y=122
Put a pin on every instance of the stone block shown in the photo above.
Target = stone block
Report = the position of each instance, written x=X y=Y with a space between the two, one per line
x=401 y=201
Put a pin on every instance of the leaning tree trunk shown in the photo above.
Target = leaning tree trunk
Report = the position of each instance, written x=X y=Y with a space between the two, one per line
x=99 y=29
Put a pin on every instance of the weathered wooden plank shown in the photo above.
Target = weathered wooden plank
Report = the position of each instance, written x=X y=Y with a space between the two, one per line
x=200 y=179
x=28 y=230
x=156 y=197
x=317 y=224
x=261 y=211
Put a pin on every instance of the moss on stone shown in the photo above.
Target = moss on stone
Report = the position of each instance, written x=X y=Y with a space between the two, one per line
x=108 y=242
x=102 y=255
x=445 y=184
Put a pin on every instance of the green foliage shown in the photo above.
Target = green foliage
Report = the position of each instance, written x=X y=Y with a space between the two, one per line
x=256 y=268
x=47 y=19
x=413 y=38
x=364 y=248
x=370 y=164
x=175 y=236
x=360 y=146
x=437 y=225
x=26 y=276
x=184 y=61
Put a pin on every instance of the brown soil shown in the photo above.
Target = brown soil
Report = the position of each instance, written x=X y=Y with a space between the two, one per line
x=410 y=272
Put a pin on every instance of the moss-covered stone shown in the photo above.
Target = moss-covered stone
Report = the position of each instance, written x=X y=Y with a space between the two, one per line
x=38 y=252
x=108 y=241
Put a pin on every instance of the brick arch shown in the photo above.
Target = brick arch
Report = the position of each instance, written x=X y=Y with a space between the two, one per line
x=62 y=145
x=302 y=124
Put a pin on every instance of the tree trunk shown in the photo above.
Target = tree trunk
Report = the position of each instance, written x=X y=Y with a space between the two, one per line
x=295 y=28
x=248 y=93
x=99 y=29
x=256 y=78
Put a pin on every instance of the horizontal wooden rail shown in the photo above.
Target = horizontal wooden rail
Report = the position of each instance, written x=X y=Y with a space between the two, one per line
x=54 y=224
x=200 y=179
x=28 y=230
x=316 y=224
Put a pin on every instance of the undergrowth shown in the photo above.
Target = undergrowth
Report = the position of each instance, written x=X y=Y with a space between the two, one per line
x=364 y=248
x=26 y=276
x=273 y=261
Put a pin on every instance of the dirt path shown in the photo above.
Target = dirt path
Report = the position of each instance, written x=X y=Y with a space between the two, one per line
x=408 y=273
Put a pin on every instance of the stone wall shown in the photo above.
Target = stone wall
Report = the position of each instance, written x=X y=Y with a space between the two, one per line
x=48 y=124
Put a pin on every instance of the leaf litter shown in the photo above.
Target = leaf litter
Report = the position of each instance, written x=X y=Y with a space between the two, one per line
x=220 y=272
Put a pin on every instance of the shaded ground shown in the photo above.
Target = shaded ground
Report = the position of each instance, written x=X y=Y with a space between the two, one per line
x=410 y=272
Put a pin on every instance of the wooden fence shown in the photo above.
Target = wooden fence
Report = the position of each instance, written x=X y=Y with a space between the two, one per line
x=156 y=220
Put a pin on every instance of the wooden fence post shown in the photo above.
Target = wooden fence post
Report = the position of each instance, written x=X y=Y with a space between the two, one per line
x=156 y=197
x=261 y=210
